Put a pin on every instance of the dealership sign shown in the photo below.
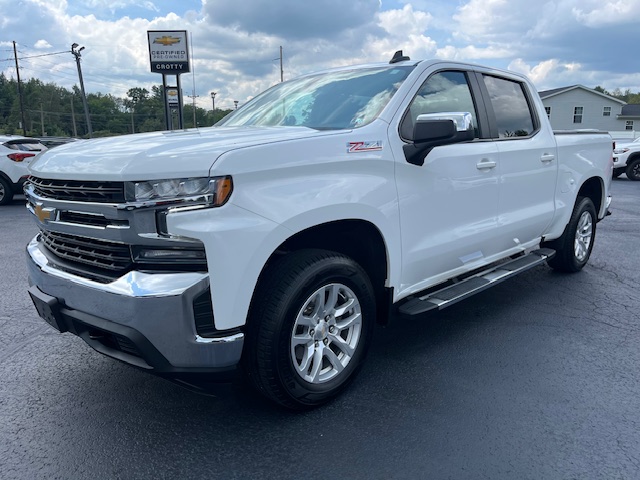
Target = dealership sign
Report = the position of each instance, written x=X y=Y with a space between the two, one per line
x=168 y=51
x=172 y=96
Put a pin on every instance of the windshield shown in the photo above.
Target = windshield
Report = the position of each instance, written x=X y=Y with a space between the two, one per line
x=334 y=100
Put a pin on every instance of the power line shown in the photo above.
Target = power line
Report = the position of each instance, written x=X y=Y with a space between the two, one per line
x=43 y=55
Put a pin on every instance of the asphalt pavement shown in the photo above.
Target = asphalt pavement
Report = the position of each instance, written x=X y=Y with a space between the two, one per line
x=537 y=378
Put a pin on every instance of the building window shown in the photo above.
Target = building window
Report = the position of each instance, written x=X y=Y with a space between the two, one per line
x=548 y=110
x=606 y=112
x=577 y=115
x=629 y=125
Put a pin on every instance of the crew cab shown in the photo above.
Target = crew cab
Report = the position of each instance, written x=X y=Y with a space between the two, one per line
x=276 y=239
x=626 y=159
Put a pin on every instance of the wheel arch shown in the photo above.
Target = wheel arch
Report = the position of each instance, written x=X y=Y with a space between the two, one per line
x=632 y=156
x=6 y=178
x=593 y=188
x=358 y=239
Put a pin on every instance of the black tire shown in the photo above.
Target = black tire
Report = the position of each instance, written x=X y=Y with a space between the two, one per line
x=617 y=172
x=6 y=192
x=573 y=248
x=284 y=369
x=633 y=170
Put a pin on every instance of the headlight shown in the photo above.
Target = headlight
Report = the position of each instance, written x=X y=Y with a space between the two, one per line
x=213 y=191
x=618 y=151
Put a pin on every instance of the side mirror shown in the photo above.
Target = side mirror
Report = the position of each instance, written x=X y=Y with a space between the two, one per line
x=436 y=129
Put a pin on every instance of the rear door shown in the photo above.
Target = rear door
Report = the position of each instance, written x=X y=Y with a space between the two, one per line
x=528 y=161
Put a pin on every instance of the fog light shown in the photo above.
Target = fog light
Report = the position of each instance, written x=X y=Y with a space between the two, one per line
x=169 y=255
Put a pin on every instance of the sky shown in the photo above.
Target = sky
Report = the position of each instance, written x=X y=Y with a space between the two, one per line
x=236 y=44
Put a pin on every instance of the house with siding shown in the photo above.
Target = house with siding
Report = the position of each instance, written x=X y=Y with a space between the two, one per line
x=577 y=106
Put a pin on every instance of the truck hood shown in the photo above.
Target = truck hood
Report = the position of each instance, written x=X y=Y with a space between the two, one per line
x=157 y=155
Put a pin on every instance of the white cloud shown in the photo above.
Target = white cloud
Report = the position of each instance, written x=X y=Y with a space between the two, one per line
x=540 y=73
x=553 y=73
x=236 y=45
x=41 y=44
x=473 y=53
x=115 y=5
x=401 y=30
x=607 y=13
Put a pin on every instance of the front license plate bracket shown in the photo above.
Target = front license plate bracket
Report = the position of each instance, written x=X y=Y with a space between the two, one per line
x=48 y=308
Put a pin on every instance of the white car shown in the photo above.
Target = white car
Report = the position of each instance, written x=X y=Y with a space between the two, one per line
x=15 y=155
x=626 y=159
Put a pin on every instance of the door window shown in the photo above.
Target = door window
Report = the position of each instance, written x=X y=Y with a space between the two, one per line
x=441 y=92
x=513 y=115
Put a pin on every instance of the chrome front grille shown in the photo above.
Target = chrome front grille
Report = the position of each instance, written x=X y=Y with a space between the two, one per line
x=79 y=191
x=100 y=254
x=86 y=229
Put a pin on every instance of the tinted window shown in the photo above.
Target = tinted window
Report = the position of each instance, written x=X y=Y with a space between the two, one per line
x=442 y=92
x=510 y=105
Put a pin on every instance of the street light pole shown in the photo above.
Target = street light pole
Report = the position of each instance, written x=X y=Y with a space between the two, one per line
x=213 y=112
x=76 y=53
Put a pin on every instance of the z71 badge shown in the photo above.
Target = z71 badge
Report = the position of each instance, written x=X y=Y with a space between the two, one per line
x=355 y=147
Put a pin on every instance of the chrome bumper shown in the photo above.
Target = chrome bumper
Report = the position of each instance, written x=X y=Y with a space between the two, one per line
x=154 y=310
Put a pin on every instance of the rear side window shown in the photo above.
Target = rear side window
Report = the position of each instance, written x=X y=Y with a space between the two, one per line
x=513 y=114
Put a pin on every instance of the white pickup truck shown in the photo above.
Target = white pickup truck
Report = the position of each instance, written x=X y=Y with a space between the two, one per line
x=276 y=239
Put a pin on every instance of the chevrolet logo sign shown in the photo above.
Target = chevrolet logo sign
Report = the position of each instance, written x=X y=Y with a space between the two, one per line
x=44 y=213
x=166 y=40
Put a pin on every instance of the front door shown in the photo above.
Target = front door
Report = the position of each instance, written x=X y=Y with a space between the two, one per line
x=448 y=206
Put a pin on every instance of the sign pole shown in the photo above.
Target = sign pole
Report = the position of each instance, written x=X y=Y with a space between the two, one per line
x=167 y=115
x=180 y=104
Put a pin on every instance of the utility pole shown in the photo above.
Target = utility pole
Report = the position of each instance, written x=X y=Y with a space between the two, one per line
x=281 y=69
x=73 y=119
x=194 y=96
x=76 y=53
x=42 y=118
x=24 y=125
x=213 y=112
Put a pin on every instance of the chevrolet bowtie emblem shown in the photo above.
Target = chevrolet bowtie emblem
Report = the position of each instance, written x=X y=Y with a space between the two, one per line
x=44 y=213
x=167 y=40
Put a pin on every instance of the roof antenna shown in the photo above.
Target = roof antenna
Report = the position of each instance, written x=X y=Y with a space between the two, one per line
x=398 y=57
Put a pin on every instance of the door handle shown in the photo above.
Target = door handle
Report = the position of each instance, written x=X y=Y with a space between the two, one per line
x=486 y=164
x=547 y=158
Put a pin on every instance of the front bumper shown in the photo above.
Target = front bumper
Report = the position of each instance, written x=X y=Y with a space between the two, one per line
x=144 y=319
